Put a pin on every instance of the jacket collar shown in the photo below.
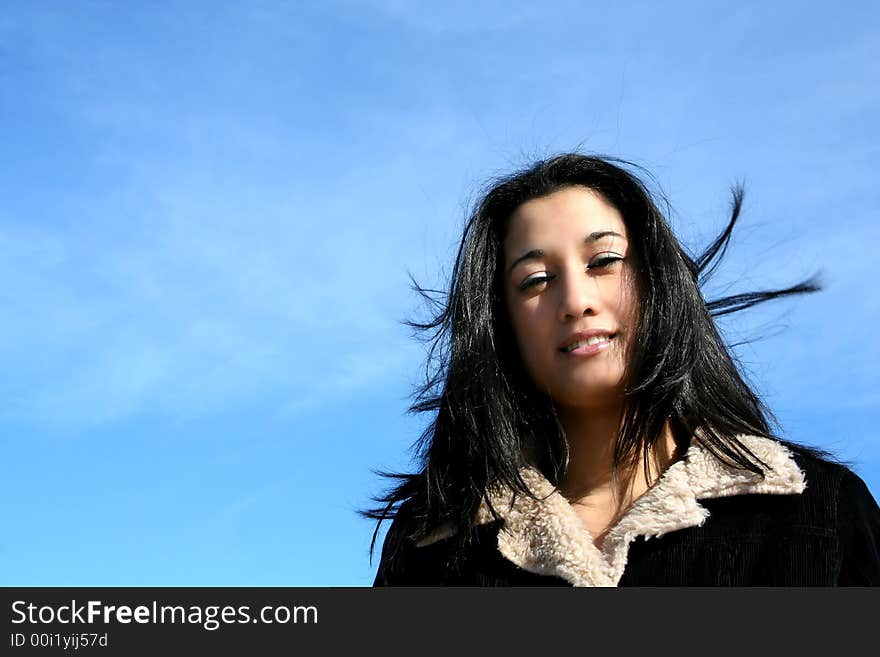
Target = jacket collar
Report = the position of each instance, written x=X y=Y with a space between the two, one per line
x=545 y=536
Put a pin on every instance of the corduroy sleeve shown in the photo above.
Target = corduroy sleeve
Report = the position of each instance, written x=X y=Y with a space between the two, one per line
x=858 y=525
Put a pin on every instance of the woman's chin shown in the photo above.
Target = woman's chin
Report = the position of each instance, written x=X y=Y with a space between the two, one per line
x=592 y=396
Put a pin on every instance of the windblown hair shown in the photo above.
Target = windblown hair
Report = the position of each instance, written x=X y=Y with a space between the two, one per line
x=490 y=419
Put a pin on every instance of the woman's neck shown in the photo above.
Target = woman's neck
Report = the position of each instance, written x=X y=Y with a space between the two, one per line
x=592 y=435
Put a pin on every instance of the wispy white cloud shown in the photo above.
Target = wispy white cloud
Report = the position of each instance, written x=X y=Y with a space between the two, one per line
x=246 y=249
x=199 y=299
x=460 y=16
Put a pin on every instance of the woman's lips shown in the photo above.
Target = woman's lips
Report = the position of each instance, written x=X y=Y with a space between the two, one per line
x=589 y=349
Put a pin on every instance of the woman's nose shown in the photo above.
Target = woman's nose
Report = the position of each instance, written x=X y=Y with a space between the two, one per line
x=578 y=296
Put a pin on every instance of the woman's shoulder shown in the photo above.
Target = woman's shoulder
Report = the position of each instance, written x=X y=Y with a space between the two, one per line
x=825 y=473
x=834 y=488
x=406 y=560
x=440 y=556
x=811 y=489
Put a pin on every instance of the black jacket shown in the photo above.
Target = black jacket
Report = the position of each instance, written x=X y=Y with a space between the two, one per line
x=809 y=522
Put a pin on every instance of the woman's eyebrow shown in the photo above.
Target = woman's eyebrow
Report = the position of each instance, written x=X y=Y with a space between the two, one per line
x=537 y=254
x=593 y=237
x=534 y=254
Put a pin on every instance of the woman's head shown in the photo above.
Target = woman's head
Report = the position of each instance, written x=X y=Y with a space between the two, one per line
x=568 y=284
x=576 y=243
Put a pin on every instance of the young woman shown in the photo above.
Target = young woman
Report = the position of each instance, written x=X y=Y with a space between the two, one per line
x=590 y=426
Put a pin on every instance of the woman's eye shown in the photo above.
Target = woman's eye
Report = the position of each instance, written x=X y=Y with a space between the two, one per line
x=604 y=261
x=534 y=281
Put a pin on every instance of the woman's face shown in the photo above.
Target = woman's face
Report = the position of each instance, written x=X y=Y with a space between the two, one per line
x=570 y=289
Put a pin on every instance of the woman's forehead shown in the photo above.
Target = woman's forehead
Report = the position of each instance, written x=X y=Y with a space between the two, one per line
x=569 y=214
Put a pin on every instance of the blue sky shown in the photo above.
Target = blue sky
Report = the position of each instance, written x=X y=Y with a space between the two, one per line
x=210 y=209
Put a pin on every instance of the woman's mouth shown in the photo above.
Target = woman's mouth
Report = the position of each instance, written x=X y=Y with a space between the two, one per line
x=588 y=346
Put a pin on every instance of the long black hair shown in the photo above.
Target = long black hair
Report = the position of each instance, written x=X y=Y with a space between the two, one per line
x=489 y=419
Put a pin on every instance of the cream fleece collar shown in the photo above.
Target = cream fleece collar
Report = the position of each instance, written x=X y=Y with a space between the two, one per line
x=545 y=536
